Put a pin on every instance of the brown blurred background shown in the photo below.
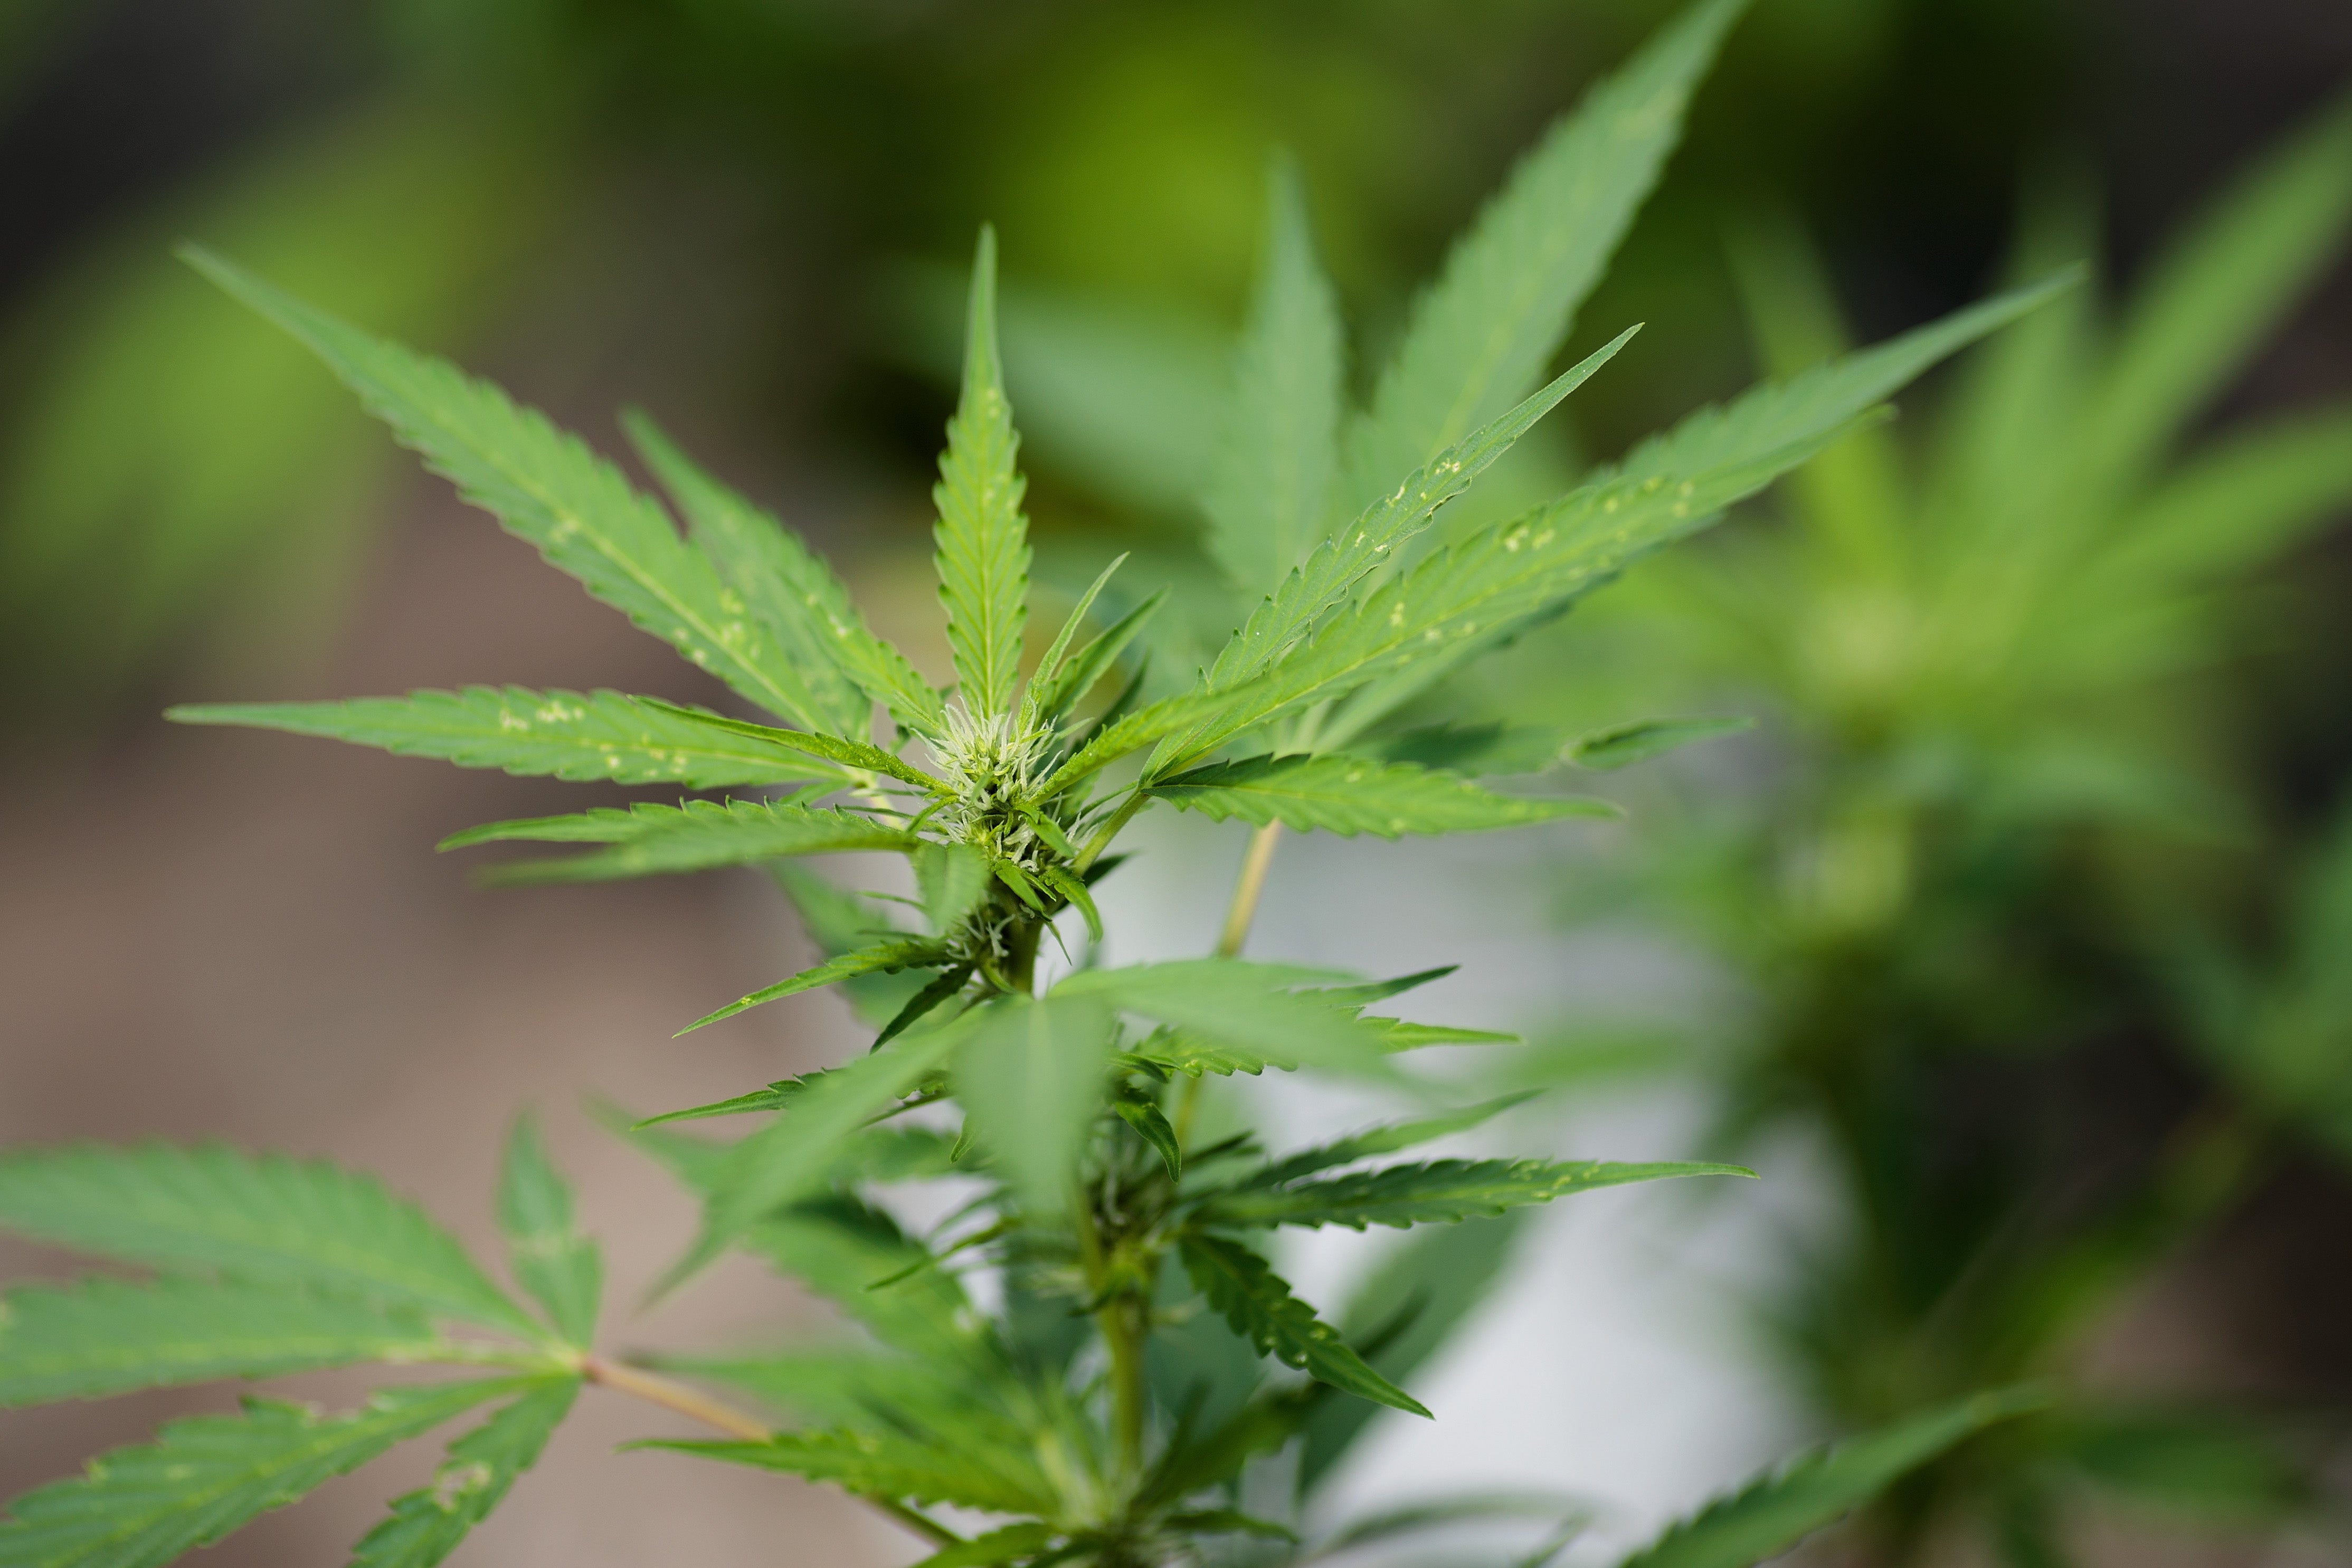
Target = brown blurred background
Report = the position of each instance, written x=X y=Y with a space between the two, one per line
x=700 y=206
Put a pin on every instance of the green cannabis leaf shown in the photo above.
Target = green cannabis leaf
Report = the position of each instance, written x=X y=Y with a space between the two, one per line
x=1108 y=1401
x=141 y=1508
x=299 y=1225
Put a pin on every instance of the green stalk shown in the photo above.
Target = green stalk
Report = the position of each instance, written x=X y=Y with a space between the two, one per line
x=1121 y=1327
x=1123 y=1322
x=1247 y=891
x=1111 y=829
x=1026 y=934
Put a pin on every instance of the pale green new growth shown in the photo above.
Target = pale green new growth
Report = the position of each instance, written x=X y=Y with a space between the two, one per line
x=1137 y=1375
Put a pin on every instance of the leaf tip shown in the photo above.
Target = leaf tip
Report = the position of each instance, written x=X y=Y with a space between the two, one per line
x=729 y=1011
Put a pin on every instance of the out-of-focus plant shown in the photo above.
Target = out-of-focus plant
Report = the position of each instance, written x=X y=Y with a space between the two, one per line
x=2000 y=792
x=432 y=158
x=168 y=469
x=1127 y=1403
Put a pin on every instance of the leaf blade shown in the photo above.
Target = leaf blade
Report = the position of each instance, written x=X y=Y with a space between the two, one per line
x=1439 y=1192
x=1257 y=1302
x=1421 y=1293
x=790 y=1156
x=1331 y=571
x=841 y=922
x=885 y=1466
x=1271 y=484
x=982 y=539
x=1147 y=725
x=1247 y=1005
x=105 y=1336
x=1346 y=795
x=1482 y=591
x=561 y=1270
x=557 y=734
x=697 y=835
x=427 y=1525
x=2218 y=289
x=1031 y=1080
x=950 y=879
x=847 y=667
x=882 y=958
x=203 y=1478
x=263 y=1220
x=850 y=754
x=542 y=485
x=1478 y=338
x=1382 y=1140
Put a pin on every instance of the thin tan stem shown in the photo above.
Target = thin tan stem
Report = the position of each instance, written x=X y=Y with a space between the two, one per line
x=672 y=1395
x=1246 y=891
x=1188 y=1107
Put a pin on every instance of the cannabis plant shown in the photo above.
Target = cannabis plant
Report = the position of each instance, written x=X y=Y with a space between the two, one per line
x=1144 y=1370
x=1994 y=663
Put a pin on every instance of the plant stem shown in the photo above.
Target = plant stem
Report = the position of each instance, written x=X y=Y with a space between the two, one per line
x=1246 y=891
x=672 y=1395
x=1120 y=1323
x=1121 y=1320
x=1024 y=955
x=1110 y=829
x=1244 y=909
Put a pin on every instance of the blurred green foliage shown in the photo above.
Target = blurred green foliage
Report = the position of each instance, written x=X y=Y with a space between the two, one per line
x=138 y=495
x=1974 y=878
x=428 y=154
